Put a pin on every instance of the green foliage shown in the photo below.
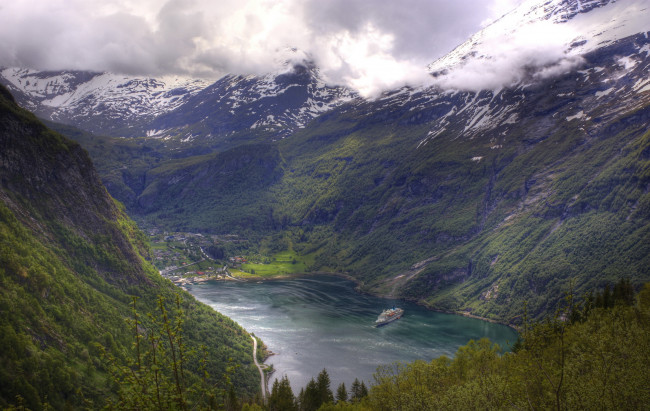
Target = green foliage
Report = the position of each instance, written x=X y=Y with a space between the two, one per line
x=341 y=393
x=157 y=376
x=282 y=397
x=309 y=397
x=282 y=263
x=317 y=394
x=223 y=191
x=323 y=386
x=49 y=336
x=358 y=391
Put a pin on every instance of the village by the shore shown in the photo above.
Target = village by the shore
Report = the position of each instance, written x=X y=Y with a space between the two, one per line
x=184 y=258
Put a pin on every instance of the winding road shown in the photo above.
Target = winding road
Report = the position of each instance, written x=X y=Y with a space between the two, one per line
x=259 y=368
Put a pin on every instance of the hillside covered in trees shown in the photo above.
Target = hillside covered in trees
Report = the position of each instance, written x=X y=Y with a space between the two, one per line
x=71 y=264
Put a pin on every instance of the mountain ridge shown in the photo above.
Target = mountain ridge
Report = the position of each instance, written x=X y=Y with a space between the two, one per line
x=113 y=102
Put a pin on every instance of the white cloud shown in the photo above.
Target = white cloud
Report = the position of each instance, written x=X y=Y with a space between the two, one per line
x=370 y=46
x=364 y=61
x=366 y=45
x=501 y=58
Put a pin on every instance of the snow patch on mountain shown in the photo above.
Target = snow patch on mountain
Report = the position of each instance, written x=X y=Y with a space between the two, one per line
x=276 y=104
x=78 y=98
x=605 y=92
x=539 y=39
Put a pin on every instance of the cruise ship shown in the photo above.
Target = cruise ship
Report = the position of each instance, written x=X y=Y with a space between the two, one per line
x=388 y=316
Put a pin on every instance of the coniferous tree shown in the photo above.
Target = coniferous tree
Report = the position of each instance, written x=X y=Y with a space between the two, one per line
x=589 y=304
x=232 y=402
x=607 y=297
x=623 y=292
x=324 y=392
x=310 y=398
x=363 y=390
x=282 y=397
x=355 y=391
x=274 y=394
x=598 y=302
x=341 y=393
x=301 y=399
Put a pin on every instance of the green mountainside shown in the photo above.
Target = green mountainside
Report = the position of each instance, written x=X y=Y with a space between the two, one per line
x=71 y=262
x=522 y=223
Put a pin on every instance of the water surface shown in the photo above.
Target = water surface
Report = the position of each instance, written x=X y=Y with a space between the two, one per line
x=320 y=322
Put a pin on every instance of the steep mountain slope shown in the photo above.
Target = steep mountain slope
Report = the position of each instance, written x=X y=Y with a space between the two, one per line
x=478 y=201
x=102 y=103
x=70 y=262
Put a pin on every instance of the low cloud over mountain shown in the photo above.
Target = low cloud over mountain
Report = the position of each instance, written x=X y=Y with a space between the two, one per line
x=369 y=46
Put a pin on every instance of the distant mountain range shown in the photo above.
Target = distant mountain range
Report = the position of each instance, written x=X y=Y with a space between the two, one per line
x=183 y=110
x=520 y=172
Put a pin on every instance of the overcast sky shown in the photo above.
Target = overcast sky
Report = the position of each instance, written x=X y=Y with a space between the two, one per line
x=366 y=44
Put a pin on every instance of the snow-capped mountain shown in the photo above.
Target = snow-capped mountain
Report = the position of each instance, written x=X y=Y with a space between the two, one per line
x=275 y=105
x=480 y=84
x=609 y=82
x=102 y=103
x=185 y=110
x=596 y=64
x=477 y=87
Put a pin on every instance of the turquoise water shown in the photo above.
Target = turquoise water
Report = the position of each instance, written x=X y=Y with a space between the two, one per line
x=318 y=322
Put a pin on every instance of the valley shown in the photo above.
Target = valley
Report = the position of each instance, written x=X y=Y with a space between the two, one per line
x=463 y=219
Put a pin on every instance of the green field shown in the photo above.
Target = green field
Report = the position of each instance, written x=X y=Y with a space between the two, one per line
x=282 y=263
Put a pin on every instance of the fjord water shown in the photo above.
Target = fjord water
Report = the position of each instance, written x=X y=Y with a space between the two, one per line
x=318 y=322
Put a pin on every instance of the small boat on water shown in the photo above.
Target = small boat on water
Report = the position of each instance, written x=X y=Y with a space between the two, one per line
x=389 y=315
